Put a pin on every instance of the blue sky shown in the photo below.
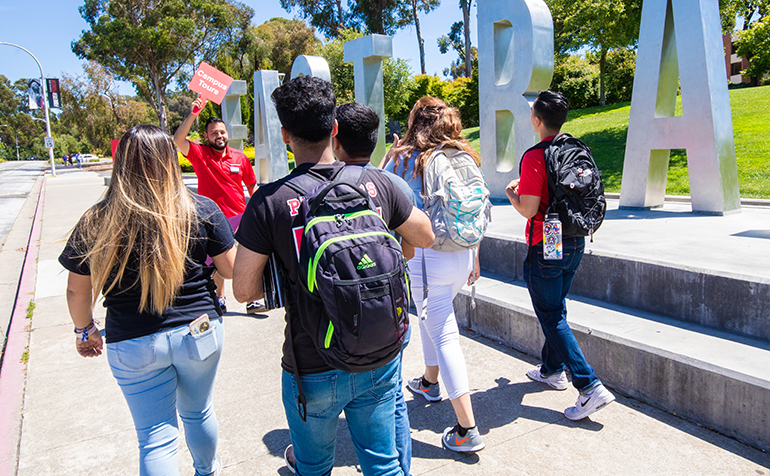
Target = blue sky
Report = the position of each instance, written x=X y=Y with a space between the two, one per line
x=47 y=27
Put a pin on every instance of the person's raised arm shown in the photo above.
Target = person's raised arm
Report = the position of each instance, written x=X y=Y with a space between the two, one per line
x=180 y=136
x=417 y=230
x=247 y=275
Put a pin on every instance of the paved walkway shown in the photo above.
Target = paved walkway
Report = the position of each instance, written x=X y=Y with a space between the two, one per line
x=75 y=421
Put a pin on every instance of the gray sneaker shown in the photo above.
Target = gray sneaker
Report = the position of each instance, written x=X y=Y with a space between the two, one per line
x=598 y=398
x=557 y=381
x=462 y=444
x=432 y=392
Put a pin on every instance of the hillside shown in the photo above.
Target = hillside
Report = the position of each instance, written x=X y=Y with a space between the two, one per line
x=604 y=130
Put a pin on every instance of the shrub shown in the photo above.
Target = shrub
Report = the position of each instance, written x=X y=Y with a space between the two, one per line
x=184 y=164
x=621 y=64
x=577 y=79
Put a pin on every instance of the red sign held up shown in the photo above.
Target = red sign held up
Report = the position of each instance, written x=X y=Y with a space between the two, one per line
x=210 y=83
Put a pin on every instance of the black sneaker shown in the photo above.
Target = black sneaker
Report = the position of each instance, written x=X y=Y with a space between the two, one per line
x=255 y=307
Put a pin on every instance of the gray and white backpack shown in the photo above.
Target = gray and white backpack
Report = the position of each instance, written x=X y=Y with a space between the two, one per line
x=456 y=199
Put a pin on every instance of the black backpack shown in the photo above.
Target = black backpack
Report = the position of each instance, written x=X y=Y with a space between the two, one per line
x=575 y=188
x=353 y=295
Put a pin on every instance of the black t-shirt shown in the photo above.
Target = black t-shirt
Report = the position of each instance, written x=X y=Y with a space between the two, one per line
x=196 y=296
x=271 y=225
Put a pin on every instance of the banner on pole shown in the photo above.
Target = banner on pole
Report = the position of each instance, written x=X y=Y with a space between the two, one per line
x=35 y=92
x=210 y=83
x=54 y=93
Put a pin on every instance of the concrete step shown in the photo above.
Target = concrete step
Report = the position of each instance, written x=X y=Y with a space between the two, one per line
x=731 y=302
x=711 y=377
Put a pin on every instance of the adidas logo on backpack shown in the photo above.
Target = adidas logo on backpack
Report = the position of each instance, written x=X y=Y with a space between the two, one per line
x=575 y=188
x=366 y=262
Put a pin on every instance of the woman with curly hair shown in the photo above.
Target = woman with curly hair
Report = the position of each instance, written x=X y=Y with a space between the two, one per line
x=433 y=125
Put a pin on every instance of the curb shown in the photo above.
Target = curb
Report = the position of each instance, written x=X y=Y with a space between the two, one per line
x=13 y=371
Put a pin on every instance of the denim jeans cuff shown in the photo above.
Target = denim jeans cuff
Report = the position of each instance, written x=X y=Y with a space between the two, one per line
x=590 y=388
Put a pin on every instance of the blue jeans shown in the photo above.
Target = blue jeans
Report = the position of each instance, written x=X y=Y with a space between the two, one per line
x=368 y=399
x=548 y=282
x=403 y=430
x=159 y=376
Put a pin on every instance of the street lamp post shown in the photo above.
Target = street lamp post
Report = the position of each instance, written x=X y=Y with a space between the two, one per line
x=45 y=106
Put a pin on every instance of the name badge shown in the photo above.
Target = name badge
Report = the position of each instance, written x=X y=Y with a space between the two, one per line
x=234 y=169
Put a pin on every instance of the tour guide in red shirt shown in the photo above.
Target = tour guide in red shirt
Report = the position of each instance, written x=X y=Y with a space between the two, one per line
x=222 y=172
x=548 y=281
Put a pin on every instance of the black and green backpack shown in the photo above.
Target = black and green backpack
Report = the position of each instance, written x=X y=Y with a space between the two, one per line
x=353 y=292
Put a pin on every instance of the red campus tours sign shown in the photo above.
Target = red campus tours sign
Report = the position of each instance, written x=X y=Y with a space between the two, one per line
x=210 y=83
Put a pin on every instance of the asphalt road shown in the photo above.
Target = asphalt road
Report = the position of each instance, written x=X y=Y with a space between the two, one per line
x=16 y=181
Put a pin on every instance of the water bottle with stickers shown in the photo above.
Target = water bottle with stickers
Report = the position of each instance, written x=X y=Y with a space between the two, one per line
x=552 y=245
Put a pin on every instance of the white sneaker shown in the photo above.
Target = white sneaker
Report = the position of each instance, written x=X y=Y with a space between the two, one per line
x=587 y=404
x=217 y=465
x=557 y=381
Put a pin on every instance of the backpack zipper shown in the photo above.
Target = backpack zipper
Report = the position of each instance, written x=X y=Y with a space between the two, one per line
x=313 y=265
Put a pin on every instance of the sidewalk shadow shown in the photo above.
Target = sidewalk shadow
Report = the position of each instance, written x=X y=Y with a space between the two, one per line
x=276 y=442
x=494 y=408
x=259 y=316
x=646 y=214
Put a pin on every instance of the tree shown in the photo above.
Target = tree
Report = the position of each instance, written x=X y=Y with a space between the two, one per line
x=411 y=17
x=95 y=113
x=730 y=10
x=148 y=42
x=754 y=44
x=284 y=40
x=465 y=6
x=598 y=24
x=327 y=16
x=457 y=43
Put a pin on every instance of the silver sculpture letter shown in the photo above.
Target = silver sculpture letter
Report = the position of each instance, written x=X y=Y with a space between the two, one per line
x=270 y=160
x=367 y=54
x=231 y=114
x=305 y=65
x=515 y=64
x=692 y=28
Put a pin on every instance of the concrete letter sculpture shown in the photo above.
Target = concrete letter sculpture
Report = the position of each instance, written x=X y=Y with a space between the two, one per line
x=692 y=28
x=270 y=159
x=515 y=64
x=231 y=114
x=367 y=54
x=305 y=65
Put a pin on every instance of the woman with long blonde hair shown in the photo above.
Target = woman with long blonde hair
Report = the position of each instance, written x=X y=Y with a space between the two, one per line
x=144 y=248
x=433 y=125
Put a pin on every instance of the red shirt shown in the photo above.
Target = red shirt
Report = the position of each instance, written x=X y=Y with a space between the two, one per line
x=221 y=178
x=533 y=181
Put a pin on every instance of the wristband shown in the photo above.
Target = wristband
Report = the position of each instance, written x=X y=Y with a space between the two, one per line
x=83 y=333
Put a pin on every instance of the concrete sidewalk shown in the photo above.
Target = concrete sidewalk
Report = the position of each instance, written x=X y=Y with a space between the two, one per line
x=75 y=421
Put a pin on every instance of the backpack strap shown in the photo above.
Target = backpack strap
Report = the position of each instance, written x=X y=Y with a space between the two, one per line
x=540 y=145
x=301 y=183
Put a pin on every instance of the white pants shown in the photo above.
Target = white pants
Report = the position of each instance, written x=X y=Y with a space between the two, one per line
x=447 y=272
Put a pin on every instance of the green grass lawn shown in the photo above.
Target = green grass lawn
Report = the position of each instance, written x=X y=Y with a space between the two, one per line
x=604 y=130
